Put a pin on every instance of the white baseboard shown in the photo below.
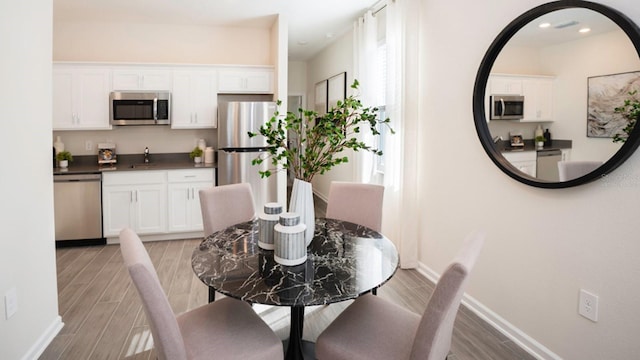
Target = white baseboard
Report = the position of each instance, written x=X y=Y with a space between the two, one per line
x=44 y=340
x=524 y=341
x=162 y=237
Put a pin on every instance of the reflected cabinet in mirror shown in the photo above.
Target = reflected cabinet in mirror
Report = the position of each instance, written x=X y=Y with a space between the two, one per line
x=552 y=96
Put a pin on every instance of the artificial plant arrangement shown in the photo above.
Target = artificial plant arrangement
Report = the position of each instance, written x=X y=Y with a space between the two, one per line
x=631 y=112
x=195 y=153
x=319 y=140
x=64 y=155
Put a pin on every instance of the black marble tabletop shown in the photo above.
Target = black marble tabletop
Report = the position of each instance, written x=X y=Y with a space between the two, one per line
x=344 y=260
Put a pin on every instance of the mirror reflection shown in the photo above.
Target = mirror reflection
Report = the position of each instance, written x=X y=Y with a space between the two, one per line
x=556 y=66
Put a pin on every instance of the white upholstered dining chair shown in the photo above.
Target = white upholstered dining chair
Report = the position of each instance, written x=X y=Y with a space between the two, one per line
x=216 y=330
x=223 y=206
x=569 y=170
x=374 y=328
x=358 y=203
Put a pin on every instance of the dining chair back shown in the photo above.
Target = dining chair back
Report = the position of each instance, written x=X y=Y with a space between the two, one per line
x=223 y=206
x=215 y=330
x=569 y=170
x=433 y=338
x=375 y=328
x=358 y=203
x=226 y=205
x=167 y=338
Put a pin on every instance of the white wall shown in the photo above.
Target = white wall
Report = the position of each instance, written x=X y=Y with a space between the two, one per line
x=160 y=43
x=27 y=256
x=336 y=58
x=543 y=245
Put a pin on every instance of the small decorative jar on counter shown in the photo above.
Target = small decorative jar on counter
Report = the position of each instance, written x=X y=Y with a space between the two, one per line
x=267 y=220
x=290 y=247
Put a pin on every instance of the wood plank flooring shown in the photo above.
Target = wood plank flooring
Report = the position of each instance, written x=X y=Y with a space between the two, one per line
x=104 y=319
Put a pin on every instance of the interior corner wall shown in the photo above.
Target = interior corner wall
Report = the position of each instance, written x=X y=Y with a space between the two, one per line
x=27 y=246
x=543 y=245
x=333 y=60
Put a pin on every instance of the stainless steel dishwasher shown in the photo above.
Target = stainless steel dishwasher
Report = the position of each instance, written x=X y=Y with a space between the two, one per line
x=547 y=164
x=78 y=209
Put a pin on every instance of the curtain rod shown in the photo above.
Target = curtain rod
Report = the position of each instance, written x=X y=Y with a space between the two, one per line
x=379 y=6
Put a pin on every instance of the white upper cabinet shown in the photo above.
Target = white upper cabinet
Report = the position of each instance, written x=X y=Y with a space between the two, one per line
x=194 y=99
x=245 y=80
x=505 y=85
x=141 y=78
x=538 y=98
x=80 y=97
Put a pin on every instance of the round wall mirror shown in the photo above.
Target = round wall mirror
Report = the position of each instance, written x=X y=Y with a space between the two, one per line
x=559 y=71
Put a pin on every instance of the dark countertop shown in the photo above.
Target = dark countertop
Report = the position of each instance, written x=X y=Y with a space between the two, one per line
x=88 y=164
x=529 y=145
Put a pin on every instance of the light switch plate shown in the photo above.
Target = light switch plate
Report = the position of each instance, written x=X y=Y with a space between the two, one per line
x=10 y=303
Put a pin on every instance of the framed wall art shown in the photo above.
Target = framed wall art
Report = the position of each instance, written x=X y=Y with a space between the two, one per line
x=605 y=93
x=337 y=89
x=320 y=104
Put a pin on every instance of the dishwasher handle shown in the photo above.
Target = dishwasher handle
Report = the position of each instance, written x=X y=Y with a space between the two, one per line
x=544 y=153
x=76 y=177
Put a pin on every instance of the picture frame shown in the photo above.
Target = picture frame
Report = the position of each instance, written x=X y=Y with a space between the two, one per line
x=604 y=94
x=336 y=89
x=320 y=104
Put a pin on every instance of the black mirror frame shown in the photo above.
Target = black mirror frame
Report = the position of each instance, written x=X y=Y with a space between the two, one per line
x=627 y=149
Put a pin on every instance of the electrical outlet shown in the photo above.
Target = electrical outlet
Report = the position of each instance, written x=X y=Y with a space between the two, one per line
x=10 y=303
x=88 y=145
x=588 y=305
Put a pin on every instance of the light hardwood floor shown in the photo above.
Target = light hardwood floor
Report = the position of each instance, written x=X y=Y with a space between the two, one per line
x=104 y=319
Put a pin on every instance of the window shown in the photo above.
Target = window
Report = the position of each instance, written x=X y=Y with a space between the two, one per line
x=381 y=95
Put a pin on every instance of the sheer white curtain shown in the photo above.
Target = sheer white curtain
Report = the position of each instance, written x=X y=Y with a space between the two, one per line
x=400 y=215
x=365 y=34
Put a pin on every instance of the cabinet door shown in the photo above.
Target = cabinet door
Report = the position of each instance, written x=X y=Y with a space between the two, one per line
x=63 y=111
x=195 y=209
x=150 y=208
x=93 y=103
x=538 y=99
x=116 y=209
x=246 y=81
x=179 y=207
x=181 y=112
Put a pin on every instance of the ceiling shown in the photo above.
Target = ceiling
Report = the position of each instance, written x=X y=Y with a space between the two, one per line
x=563 y=27
x=313 y=24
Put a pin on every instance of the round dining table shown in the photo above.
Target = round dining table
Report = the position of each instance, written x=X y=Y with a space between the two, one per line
x=344 y=261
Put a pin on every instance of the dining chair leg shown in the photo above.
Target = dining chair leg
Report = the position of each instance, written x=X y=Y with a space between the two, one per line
x=374 y=291
x=212 y=294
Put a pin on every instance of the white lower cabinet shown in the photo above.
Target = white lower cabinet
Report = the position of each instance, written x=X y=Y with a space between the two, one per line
x=524 y=161
x=184 y=202
x=135 y=199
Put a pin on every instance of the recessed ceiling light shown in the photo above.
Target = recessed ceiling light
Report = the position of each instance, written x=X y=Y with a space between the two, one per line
x=584 y=30
x=329 y=35
x=544 y=25
x=303 y=42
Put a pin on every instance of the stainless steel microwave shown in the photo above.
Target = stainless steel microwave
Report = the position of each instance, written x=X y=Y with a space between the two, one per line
x=140 y=108
x=507 y=107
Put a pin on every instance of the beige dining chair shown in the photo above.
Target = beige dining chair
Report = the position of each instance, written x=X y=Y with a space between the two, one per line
x=216 y=330
x=358 y=203
x=569 y=170
x=374 y=328
x=223 y=206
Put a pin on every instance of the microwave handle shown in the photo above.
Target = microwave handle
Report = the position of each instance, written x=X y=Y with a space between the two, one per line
x=502 y=103
x=155 y=108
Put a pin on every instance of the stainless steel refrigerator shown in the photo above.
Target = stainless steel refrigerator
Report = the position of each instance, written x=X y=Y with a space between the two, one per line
x=236 y=149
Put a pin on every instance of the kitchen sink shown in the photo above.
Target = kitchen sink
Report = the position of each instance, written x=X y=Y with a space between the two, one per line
x=143 y=166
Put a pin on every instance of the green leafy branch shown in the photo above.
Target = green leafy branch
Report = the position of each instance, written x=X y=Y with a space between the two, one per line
x=631 y=112
x=319 y=141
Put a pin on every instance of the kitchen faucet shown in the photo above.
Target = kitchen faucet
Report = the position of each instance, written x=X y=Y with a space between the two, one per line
x=146 y=155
